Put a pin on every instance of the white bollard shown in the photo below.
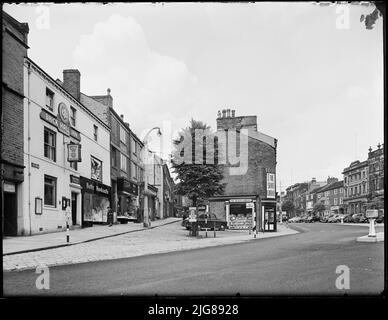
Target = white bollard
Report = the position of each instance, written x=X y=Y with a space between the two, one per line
x=372 y=230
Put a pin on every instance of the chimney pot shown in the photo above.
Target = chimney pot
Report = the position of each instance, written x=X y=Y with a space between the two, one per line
x=233 y=112
x=108 y=91
x=223 y=113
x=228 y=113
x=122 y=116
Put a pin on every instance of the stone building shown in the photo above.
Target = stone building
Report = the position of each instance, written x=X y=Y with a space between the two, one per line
x=15 y=46
x=249 y=174
x=376 y=177
x=356 y=186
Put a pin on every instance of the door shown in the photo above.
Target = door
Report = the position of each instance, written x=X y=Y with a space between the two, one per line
x=74 y=208
x=10 y=214
x=269 y=219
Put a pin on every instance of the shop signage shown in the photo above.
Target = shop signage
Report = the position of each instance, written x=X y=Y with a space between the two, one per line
x=240 y=200
x=9 y=187
x=96 y=169
x=35 y=165
x=91 y=186
x=127 y=186
x=372 y=214
x=193 y=214
x=74 y=179
x=249 y=205
x=271 y=185
x=59 y=122
x=74 y=152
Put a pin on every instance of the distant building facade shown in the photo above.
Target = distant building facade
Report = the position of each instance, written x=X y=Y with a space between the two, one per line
x=297 y=194
x=356 y=185
x=332 y=196
x=376 y=177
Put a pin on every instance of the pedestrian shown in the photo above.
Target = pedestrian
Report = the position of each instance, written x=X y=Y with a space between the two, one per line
x=110 y=216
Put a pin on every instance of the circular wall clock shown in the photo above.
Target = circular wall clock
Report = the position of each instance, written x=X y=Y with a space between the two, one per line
x=63 y=112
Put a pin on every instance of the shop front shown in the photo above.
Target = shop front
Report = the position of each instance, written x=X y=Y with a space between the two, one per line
x=95 y=202
x=128 y=198
x=240 y=213
x=245 y=213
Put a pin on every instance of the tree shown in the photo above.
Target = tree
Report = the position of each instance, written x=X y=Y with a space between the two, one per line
x=319 y=208
x=288 y=206
x=197 y=181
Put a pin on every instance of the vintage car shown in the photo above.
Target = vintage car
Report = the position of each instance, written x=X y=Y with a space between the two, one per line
x=207 y=221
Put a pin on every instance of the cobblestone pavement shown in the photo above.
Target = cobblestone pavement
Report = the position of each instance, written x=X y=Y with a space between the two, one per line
x=171 y=237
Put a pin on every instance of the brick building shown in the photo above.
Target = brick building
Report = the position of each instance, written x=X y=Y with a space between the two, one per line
x=250 y=185
x=332 y=196
x=376 y=177
x=15 y=46
x=297 y=194
x=356 y=185
x=311 y=194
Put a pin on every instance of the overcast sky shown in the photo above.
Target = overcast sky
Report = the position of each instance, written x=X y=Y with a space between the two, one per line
x=315 y=87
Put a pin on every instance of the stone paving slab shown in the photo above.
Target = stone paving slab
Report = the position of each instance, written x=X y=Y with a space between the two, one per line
x=13 y=245
x=167 y=238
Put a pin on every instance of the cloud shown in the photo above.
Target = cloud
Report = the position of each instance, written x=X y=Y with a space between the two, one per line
x=147 y=86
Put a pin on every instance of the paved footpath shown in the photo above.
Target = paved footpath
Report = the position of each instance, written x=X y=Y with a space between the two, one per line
x=12 y=245
x=166 y=238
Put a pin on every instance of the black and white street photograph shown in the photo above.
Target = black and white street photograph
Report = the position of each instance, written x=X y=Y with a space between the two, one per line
x=198 y=150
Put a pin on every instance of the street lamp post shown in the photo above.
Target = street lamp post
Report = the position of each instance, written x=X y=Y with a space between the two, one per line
x=146 y=221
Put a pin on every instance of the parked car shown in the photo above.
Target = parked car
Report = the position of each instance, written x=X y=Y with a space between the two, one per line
x=294 y=219
x=324 y=219
x=380 y=218
x=185 y=222
x=334 y=218
x=348 y=218
x=359 y=218
x=208 y=220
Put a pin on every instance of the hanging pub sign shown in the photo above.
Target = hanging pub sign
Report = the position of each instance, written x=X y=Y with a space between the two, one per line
x=74 y=152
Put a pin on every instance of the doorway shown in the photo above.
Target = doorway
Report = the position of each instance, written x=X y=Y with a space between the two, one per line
x=74 y=208
x=269 y=219
x=10 y=214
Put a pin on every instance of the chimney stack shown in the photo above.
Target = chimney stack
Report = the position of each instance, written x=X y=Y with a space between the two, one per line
x=228 y=113
x=72 y=82
x=223 y=113
x=233 y=112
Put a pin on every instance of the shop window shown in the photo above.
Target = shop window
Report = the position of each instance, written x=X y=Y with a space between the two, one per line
x=50 y=141
x=50 y=191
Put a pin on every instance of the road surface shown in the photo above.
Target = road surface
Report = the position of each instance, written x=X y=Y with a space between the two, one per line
x=303 y=263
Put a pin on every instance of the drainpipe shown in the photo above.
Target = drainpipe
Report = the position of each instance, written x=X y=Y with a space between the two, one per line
x=29 y=147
